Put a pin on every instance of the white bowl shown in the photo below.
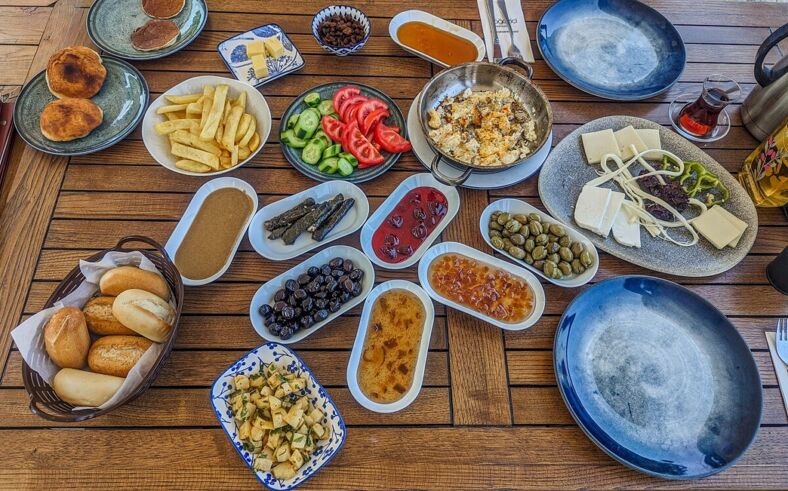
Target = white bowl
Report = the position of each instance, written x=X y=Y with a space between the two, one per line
x=159 y=146
x=266 y=292
x=413 y=182
x=185 y=223
x=515 y=206
x=444 y=25
x=277 y=250
x=457 y=248
x=358 y=347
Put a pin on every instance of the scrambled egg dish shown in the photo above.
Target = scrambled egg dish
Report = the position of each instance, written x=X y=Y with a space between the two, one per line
x=487 y=128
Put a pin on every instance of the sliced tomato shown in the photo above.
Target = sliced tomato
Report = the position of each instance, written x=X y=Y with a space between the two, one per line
x=346 y=135
x=343 y=94
x=390 y=140
x=362 y=149
x=376 y=116
x=333 y=128
x=355 y=99
x=367 y=108
x=384 y=127
x=350 y=112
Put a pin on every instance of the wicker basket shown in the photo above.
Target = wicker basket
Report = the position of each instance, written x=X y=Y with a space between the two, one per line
x=44 y=402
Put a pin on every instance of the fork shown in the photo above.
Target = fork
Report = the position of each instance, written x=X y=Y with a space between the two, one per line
x=781 y=339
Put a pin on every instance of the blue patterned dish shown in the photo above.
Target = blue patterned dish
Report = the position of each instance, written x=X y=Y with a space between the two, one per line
x=233 y=53
x=342 y=10
x=281 y=356
x=616 y=49
x=657 y=377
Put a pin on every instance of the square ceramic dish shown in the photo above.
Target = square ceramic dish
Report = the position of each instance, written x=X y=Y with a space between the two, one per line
x=281 y=356
x=277 y=250
x=233 y=53
x=266 y=292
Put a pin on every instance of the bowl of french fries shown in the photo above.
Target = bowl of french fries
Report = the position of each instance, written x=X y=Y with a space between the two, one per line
x=206 y=125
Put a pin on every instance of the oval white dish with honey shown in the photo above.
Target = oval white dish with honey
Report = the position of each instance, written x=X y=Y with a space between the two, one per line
x=386 y=366
x=435 y=39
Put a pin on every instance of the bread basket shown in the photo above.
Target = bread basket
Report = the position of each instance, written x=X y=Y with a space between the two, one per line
x=44 y=402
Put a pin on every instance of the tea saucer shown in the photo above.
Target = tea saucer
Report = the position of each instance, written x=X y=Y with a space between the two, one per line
x=477 y=180
x=723 y=120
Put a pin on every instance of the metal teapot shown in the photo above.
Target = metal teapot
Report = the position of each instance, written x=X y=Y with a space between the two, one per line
x=767 y=105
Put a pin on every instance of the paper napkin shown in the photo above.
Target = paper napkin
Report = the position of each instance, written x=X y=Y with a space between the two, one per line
x=510 y=32
x=779 y=367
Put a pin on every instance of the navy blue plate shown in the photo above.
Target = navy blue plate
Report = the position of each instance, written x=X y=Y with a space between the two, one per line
x=615 y=49
x=657 y=377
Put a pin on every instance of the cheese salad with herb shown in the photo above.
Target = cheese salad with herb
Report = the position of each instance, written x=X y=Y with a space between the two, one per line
x=276 y=423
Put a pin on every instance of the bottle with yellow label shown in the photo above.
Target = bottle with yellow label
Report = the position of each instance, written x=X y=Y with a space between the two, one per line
x=765 y=171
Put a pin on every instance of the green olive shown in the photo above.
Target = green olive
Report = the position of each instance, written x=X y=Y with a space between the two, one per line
x=502 y=218
x=539 y=252
x=507 y=243
x=557 y=230
x=516 y=252
x=565 y=241
x=553 y=247
x=566 y=254
x=505 y=233
x=577 y=267
x=552 y=239
x=521 y=218
x=565 y=268
x=534 y=217
x=539 y=264
x=513 y=226
x=554 y=257
x=517 y=239
x=577 y=248
x=497 y=242
x=524 y=230
x=495 y=233
x=529 y=245
x=535 y=228
x=495 y=226
x=586 y=259
x=549 y=268
x=494 y=215
x=541 y=239
x=529 y=258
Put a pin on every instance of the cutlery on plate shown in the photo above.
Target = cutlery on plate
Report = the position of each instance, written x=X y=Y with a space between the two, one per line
x=781 y=339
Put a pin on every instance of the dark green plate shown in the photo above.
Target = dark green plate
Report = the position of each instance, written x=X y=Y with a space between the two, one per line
x=327 y=91
x=123 y=98
x=111 y=22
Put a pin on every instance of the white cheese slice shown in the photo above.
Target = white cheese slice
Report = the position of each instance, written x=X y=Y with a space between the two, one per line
x=613 y=206
x=598 y=144
x=651 y=138
x=591 y=206
x=716 y=228
x=625 y=138
x=626 y=227
x=740 y=225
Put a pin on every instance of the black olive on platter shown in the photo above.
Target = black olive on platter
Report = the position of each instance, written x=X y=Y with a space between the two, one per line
x=292 y=301
x=300 y=294
x=325 y=270
x=288 y=313
x=334 y=306
x=279 y=306
x=279 y=295
x=331 y=285
x=307 y=304
x=298 y=312
x=345 y=297
x=356 y=289
x=321 y=294
x=321 y=303
x=321 y=315
x=307 y=321
x=335 y=263
x=286 y=333
x=347 y=284
x=291 y=285
x=275 y=328
x=268 y=319
x=356 y=274
x=265 y=309
x=313 y=271
x=312 y=287
x=347 y=267
x=303 y=279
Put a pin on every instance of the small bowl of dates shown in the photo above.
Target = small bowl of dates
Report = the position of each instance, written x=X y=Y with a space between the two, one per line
x=340 y=29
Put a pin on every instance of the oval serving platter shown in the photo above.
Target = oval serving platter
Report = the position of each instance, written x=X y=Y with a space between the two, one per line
x=358 y=346
x=426 y=18
x=123 y=98
x=266 y=292
x=111 y=22
x=657 y=377
x=566 y=171
x=327 y=91
x=277 y=250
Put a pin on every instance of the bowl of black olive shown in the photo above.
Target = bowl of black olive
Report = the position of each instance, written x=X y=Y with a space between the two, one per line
x=297 y=303
x=340 y=29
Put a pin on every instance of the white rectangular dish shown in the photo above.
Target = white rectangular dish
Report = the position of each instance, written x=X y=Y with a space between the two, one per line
x=444 y=25
x=265 y=293
x=174 y=242
x=159 y=146
x=277 y=250
x=413 y=182
x=515 y=206
x=361 y=334
x=457 y=248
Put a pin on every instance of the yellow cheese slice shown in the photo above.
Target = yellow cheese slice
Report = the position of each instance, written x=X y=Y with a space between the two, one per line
x=626 y=138
x=259 y=65
x=651 y=138
x=740 y=225
x=255 y=48
x=598 y=144
x=274 y=47
x=716 y=228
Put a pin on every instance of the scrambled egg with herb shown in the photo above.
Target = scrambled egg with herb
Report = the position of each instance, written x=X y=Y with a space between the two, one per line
x=488 y=128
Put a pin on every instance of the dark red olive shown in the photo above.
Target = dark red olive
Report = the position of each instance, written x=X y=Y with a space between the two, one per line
x=348 y=266
x=356 y=289
x=396 y=221
x=388 y=252
x=391 y=240
x=347 y=284
x=437 y=208
x=419 y=214
x=419 y=231
x=405 y=250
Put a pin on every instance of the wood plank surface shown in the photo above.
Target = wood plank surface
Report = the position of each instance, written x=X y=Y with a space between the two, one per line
x=23 y=25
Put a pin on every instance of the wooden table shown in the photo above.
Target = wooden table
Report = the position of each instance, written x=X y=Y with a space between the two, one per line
x=489 y=414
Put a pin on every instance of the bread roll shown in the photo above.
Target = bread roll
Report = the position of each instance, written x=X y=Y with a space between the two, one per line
x=66 y=338
x=117 y=355
x=98 y=315
x=144 y=313
x=82 y=388
x=124 y=278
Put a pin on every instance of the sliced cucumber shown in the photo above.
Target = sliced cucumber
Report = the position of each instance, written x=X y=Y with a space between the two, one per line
x=326 y=107
x=312 y=99
x=334 y=115
x=312 y=151
x=344 y=167
x=291 y=121
x=307 y=123
x=321 y=135
x=349 y=157
x=332 y=150
x=329 y=165
x=289 y=139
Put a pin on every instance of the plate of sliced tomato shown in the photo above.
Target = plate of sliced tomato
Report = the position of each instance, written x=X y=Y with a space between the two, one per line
x=343 y=130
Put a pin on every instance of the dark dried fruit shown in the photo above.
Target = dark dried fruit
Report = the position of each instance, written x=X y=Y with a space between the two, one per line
x=341 y=30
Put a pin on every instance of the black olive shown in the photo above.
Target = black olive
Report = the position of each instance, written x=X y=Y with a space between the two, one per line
x=298 y=312
x=285 y=333
x=288 y=313
x=336 y=262
x=268 y=319
x=292 y=301
x=313 y=271
x=300 y=294
x=345 y=297
x=307 y=304
x=321 y=315
x=320 y=279
x=347 y=284
x=321 y=303
x=279 y=295
x=356 y=289
x=275 y=328
x=337 y=273
x=303 y=279
x=325 y=270
x=279 y=306
x=331 y=285
x=312 y=287
x=291 y=285
x=265 y=309
x=321 y=294
x=348 y=266
x=356 y=274
x=334 y=306
x=307 y=321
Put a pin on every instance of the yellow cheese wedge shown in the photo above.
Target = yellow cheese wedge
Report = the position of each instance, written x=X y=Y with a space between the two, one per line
x=274 y=47
x=255 y=48
x=259 y=65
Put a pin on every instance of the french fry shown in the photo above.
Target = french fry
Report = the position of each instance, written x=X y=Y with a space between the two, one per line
x=171 y=116
x=249 y=134
x=167 y=127
x=234 y=157
x=207 y=103
x=215 y=114
x=254 y=142
x=201 y=156
x=187 y=138
x=244 y=153
x=192 y=166
x=228 y=106
x=171 y=109
x=241 y=101
x=243 y=126
x=231 y=127
x=182 y=99
x=219 y=135
x=194 y=108
x=224 y=160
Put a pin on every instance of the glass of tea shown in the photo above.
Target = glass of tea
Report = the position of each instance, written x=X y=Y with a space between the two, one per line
x=700 y=118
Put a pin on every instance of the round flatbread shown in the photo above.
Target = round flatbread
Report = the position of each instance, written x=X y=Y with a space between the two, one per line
x=163 y=9
x=68 y=119
x=154 y=35
x=75 y=71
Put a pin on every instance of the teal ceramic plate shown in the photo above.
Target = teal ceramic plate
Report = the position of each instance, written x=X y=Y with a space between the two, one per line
x=111 y=22
x=123 y=98
x=326 y=91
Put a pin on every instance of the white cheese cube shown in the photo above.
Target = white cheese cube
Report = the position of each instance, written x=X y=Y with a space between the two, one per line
x=739 y=224
x=591 y=206
x=598 y=144
x=626 y=139
x=716 y=228
x=651 y=139
x=626 y=228
x=613 y=206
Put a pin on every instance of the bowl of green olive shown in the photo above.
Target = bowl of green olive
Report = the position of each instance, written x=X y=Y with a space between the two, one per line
x=537 y=241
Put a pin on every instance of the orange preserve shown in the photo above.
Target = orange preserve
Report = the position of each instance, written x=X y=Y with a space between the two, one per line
x=391 y=346
x=486 y=289
x=437 y=43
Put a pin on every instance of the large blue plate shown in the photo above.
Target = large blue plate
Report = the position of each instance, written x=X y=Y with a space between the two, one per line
x=615 y=49
x=657 y=377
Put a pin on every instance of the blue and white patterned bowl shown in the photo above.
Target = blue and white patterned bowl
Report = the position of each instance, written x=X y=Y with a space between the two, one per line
x=341 y=10
x=233 y=54
x=281 y=356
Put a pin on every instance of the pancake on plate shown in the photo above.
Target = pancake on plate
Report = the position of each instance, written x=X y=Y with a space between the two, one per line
x=75 y=71
x=163 y=9
x=154 y=35
x=67 y=119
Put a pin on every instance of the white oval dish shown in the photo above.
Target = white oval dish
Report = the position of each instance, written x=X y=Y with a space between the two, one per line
x=515 y=206
x=277 y=250
x=415 y=181
x=266 y=292
x=185 y=223
x=444 y=25
x=358 y=346
x=457 y=248
x=159 y=146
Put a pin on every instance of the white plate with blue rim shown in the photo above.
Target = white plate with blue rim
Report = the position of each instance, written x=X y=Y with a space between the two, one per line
x=251 y=363
x=233 y=53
